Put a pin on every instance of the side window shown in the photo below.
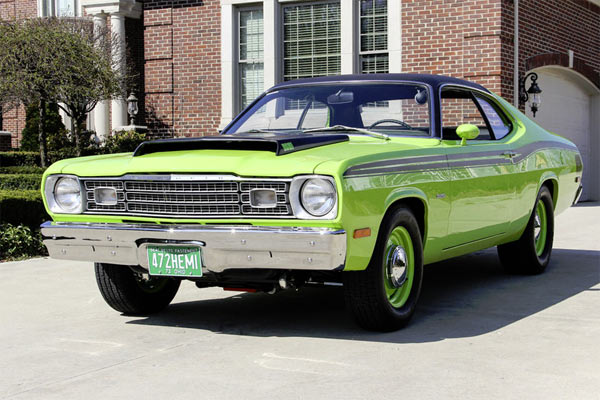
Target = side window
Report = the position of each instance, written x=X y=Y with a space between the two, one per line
x=459 y=107
x=498 y=121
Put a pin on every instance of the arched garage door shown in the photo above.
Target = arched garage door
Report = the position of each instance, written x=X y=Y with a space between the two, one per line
x=568 y=108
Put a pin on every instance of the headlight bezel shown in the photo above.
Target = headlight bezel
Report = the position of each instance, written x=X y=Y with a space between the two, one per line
x=296 y=187
x=50 y=186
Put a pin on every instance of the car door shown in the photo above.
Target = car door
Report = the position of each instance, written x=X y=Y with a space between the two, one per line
x=481 y=194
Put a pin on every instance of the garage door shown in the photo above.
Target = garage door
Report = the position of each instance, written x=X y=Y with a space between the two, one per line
x=566 y=110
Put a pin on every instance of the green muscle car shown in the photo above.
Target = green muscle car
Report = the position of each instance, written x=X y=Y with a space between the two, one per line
x=358 y=180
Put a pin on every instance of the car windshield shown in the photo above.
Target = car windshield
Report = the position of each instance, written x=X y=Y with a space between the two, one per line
x=376 y=109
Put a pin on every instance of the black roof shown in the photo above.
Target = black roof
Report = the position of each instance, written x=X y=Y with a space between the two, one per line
x=433 y=80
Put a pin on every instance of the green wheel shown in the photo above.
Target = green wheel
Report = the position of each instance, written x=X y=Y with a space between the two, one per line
x=530 y=254
x=384 y=296
x=400 y=266
x=540 y=227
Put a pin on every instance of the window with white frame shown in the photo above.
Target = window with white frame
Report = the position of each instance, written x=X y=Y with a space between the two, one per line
x=374 y=57
x=251 y=54
x=311 y=40
x=302 y=39
x=59 y=8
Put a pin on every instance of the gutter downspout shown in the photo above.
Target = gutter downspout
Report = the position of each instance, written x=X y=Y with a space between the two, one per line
x=516 y=56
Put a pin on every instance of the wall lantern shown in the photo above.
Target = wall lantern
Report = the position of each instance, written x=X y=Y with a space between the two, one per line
x=534 y=90
x=132 y=108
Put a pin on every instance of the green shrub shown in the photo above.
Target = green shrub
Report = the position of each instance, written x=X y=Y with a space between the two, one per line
x=56 y=134
x=123 y=142
x=19 y=159
x=22 y=207
x=20 y=241
x=20 y=181
x=67 y=152
x=21 y=170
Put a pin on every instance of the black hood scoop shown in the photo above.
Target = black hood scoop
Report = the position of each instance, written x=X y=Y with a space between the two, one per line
x=279 y=144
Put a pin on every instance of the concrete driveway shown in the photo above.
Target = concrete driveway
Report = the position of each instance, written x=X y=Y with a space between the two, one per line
x=478 y=333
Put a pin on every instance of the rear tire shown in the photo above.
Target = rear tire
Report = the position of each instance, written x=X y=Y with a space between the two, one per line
x=530 y=254
x=126 y=291
x=384 y=296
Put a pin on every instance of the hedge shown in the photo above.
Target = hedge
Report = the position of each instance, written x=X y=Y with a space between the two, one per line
x=20 y=181
x=22 y=207
x=32 y=158
x=19 y=158
x=22 y=170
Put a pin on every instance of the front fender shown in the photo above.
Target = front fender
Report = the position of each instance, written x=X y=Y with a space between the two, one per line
x=411 y=194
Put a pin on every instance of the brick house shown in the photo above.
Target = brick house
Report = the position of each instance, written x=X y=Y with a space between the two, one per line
x=202 y=61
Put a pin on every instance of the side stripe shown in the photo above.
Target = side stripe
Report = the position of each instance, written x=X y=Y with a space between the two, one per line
x=454 y=160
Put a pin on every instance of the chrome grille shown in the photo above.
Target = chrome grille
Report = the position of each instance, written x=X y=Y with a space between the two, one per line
x=183 y=198
x=278 y=186
x=137 y=195
x=173 y=187
x=184 y=210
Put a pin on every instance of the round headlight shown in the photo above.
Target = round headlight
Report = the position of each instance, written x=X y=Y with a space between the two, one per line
x=318 y=196
x=67 y=194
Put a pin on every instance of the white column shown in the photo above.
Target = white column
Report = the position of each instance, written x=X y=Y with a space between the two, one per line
x=227 y=65
x=348 y=41
x=101 y=110
x=272 y=37
x=118 y=106
x=395 y=35
x=66 y=120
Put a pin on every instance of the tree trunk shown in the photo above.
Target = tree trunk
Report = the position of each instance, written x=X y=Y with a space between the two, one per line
x=77 y=133
x=42 y=134
x=77 y=129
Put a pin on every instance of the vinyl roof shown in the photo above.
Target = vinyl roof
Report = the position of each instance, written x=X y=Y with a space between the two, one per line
x=434 y=80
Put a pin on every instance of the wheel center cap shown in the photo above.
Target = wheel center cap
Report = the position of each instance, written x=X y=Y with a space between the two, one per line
x=396 y=265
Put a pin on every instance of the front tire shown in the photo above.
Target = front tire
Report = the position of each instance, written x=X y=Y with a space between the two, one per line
x=127 y=292
x=530 y=254
x=384 y=296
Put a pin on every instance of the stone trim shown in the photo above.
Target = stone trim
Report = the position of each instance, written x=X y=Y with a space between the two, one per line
x=543 y=60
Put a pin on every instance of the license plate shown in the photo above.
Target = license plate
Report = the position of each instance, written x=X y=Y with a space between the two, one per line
x=175 y=261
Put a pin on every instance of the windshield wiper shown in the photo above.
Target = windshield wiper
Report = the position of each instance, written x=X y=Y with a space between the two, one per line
x=340 y=128
x=253 y=131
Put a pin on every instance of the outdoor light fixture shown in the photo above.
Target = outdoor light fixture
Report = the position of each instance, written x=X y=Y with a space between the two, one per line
x=132 y=108
x=534 y=90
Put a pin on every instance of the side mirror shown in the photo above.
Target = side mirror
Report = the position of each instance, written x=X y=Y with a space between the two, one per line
x=467 y=131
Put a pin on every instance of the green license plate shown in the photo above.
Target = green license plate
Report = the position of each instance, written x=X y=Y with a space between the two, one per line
x=175 y=261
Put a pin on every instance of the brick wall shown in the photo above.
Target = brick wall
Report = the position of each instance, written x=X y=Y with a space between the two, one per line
x=182 y=51
x=473 y=39
x=10 y=10
x=453 y=37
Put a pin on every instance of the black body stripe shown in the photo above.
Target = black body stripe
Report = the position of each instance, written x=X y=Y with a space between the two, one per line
x=456 y=160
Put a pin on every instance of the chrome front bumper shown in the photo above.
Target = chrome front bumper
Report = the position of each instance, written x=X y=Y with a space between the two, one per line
x=223 y=247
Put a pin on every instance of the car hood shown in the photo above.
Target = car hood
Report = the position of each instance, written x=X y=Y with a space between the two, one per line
x=238 y=162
